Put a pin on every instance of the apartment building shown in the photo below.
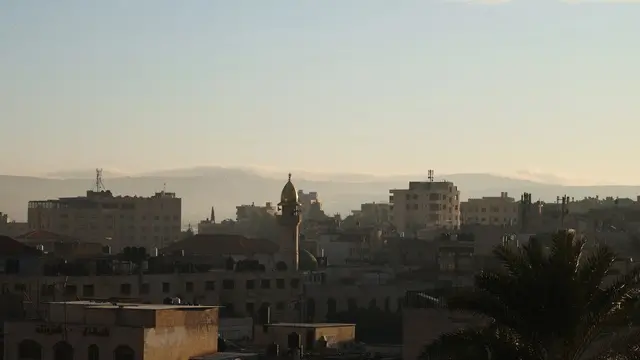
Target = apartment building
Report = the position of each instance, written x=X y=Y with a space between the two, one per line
x=490 y=210
x=117 y=221
x=425 y=205
x=250 y=212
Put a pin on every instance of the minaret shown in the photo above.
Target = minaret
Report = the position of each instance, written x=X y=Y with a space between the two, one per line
x=289 y=221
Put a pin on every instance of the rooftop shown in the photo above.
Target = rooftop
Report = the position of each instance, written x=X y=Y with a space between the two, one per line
x=12 y=247
x=310 y=325
x=222 y=244
x=130 y=306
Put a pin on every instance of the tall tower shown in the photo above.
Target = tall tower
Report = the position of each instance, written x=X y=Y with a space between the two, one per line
x=289 y=221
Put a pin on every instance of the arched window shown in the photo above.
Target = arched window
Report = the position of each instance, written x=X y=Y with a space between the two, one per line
x=123 y=352
x=29 y=350
x=62 y=351
x=93 y=352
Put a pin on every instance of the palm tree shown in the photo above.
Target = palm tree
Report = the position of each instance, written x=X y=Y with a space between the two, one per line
x=546 y=304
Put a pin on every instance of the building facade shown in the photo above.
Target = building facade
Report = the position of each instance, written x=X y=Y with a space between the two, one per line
x=425 y=205
x=117 y=221
x=92 y=330
x=490 y=210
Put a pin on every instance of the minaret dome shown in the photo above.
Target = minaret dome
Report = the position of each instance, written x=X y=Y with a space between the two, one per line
x=289 y=194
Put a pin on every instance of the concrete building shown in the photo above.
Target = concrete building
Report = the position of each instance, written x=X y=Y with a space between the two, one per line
x=490 y=210
x=250 y=212
x=425 y=205
x=10 y=227
x=90 y=330
x=117 y=221
x=371 y=214
x=424 y=319
x=336 y=336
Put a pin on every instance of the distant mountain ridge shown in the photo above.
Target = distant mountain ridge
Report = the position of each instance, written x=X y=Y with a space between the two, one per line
x=225 y=188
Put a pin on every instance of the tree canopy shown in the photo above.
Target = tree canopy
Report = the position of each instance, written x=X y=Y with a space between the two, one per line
x=547 y=303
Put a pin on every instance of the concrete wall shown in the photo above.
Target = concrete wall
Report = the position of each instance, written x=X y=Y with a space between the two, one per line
x=15 y=332
x=422 y=326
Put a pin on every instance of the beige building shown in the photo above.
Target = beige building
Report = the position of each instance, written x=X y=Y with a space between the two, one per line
x=118 y=221
x=373 y=213
x=336 y=336
x=425 y=205
x=490 y=210
x=91 y=330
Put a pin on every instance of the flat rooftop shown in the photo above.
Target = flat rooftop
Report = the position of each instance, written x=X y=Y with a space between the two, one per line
x=310 y=325
x=130 y=306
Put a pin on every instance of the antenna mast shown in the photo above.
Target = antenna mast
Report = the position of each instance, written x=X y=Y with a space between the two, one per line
x=430 y=177
x=99 y=184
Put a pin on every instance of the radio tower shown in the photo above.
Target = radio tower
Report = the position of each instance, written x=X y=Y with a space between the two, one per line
x=99 y=184
x=430 y=176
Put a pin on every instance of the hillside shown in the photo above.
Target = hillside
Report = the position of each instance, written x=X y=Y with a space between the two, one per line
x=225 y=188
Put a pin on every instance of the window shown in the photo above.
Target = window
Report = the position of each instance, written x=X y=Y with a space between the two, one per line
x=228 y=284
x=295 y=283
x=251 y=307
x=88 y=290
x=280 y=283
x=20 y=287
x=145 y=288
x=250 y=284
x=166 y=287
x=265 y=284
x=93 y=352
x=70 y=290
x=210 y=285
x=188 y=286
x=125 y=289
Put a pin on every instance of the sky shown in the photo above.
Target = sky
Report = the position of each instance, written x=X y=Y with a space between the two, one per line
x=364 y=86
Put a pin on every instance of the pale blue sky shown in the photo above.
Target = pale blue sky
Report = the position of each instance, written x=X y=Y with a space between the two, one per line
x=376 y=86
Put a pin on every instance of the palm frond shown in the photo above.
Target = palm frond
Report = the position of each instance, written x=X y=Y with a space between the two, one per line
x=474 y=344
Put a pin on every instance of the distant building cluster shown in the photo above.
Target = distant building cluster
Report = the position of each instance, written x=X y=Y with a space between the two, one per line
x=123 y=271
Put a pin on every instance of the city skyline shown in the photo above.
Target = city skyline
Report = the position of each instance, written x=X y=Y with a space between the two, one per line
x=359 y=87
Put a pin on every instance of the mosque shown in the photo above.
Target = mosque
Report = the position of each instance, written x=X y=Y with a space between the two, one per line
x=289 y=221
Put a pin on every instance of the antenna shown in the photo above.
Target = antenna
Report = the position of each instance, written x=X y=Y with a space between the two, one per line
x=99 y=184
x=430 y=177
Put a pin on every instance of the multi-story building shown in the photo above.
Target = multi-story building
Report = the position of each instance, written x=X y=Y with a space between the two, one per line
x=250 y=212
x=373 y=214
x=117 y=221
x=490 y=210
x=425 y=205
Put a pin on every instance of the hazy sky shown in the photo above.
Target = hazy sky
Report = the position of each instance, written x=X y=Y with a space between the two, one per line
x=376 y=86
